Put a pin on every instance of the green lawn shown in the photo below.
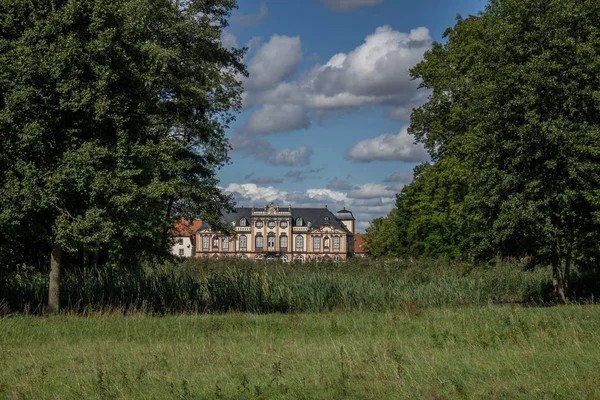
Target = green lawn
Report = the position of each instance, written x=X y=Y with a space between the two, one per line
x=462 y=352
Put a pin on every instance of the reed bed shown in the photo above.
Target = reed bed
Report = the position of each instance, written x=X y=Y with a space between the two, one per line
x=192 y=285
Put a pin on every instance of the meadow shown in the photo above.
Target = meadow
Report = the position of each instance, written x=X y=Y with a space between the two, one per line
x=478 y=352
x=238 y=330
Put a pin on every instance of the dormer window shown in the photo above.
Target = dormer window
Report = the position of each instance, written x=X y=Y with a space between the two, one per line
x=299 y=221
x=242 y=221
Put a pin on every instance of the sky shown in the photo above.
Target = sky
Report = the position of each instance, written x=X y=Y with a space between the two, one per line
x=328 y=100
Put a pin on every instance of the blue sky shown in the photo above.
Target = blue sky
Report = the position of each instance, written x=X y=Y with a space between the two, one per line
x=328 y=100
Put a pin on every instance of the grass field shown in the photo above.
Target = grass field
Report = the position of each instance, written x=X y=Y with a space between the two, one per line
x=501 y=352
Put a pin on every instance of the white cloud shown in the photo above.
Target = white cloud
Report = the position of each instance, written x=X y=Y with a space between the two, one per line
x=273 y=62
x=299 y=156
x=374 y=73
x=272 y=118
x=389 y=147
x=252 y=19
x=345 y=5
x=264 y=151
x=340 y=184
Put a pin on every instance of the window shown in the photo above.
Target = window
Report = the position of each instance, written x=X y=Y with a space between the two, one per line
x=336 y=258
x=205 y=242
x=336 y=242
x=243 y=242
x=326 y=243
x=271 y=224
x=225 y=244
x=283 y=241
x=180 y=241
x=216 y=243
x=316 y=243
x=259 y=224
x=259 y=242
x=271 y=242
x=181 y=252
x=298 y=221
x=299 y=242
x=283 y=224
x=242 y=221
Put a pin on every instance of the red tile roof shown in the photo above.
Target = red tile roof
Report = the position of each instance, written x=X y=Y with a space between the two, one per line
x=185 y=228
x=359 y=246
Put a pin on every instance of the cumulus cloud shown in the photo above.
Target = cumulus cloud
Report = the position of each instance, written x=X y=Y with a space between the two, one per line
x=273 y=62
x=336 y=183
x=374 y=73
x=272 y=118
x=252 y=19
x=264 y=151
x=389 y=147
x=299 y=156
x=345 y=5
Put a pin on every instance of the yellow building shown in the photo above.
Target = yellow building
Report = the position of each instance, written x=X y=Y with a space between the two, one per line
x=288 y=234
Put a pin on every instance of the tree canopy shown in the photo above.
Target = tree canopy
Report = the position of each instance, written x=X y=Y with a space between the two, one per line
x=515 y=101
x=112 y=121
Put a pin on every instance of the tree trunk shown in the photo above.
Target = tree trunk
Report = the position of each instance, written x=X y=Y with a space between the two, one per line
x=96 y=254
x=54 y=284
x=557 y=277
x=165 y=235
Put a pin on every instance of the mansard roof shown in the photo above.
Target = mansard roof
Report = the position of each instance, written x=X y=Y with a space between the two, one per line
x=315 y=216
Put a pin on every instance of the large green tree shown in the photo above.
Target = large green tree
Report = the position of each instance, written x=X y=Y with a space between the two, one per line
x=516 y=97
x=112 y=119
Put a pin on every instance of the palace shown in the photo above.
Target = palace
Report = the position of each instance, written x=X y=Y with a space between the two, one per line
x=288 y=234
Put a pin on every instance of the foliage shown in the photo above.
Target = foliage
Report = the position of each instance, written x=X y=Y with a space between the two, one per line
x=112 y=119
x=430 y=210
x=515 y=101
x=381 y=237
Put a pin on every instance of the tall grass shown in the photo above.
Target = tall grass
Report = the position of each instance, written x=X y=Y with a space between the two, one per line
x=235 y=285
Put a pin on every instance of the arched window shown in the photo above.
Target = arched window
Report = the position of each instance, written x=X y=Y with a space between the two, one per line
x=336 y=242
x=283 y=242
x=243 y=242
x=326 y=244
x=299 y=221
x=215 y=243
x=316 y=243
x=205 y=243
x=225 y=244
x=299 y=242
x=242 y=221
x=259 y=242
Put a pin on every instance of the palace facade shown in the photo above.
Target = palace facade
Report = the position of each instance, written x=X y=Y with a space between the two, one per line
x=285 y=233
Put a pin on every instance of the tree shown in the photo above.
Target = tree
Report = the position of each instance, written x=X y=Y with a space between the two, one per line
x=112 y=120
x=515 y=96
x=381 y=238
x=430 y=211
